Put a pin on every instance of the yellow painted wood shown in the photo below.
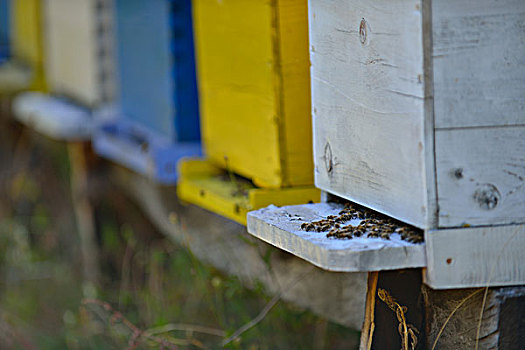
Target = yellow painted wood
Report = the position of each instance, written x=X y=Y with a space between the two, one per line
x=26 y=38
x=253 y=71
x=207 y=186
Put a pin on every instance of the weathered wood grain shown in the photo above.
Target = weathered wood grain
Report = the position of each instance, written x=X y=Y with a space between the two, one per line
x=281 y=227
x=479 y=62
x=481 y=176
x=502 y=325
x=368 y=104
x=475 y=257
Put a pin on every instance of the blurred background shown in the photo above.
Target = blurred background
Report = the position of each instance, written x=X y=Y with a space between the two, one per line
x=82 y=266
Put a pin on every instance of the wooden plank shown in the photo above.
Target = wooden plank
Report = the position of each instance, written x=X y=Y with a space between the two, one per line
x=481 y=176
x=26 y=38
x=53 y=117
x=294 y=94
x=252 y=66
x=368 y=104
x=228 y=195
x=73 y=40
x=461 y=329
x=140 y=149
x=281 y=227
x=399 y=297
x=146 y=86
x=479 y=62
x=476 y=257
x=4 y=30
x=187 y=121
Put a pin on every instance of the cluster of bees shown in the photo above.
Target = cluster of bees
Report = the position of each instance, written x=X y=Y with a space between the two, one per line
x=372 y=225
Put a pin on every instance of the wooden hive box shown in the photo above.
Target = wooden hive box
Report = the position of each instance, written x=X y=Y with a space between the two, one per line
x=157 y=117
x=418 y=111
x=78 y=66
x=252 y=65
x=21 y=42
x=79 y=50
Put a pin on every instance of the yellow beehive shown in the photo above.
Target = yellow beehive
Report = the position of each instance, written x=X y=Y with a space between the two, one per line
x=253 y=69
x=254 y=85
x=26 y=39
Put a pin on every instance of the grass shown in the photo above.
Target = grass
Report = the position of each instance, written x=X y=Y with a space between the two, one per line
x=147 y=281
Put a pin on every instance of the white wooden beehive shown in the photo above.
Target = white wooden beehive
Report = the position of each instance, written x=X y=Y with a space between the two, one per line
x=419 y=113
x=79 y=50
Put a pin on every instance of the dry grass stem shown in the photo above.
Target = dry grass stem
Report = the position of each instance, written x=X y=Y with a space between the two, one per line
x=406 y=331
x=187 y=328
x=264 y=311
x=452 y=314
x=136 y=333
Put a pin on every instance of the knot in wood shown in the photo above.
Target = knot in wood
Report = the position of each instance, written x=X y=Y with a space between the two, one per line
x=487 y=196
x=363 y=31
x=328 y=162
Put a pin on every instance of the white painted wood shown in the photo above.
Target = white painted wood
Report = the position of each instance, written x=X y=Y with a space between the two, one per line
x=281 y=227
x=481 y=176
x=368 y=104
x=479 y=62
x=77 y=46
x=53 y=117
x=476 y=257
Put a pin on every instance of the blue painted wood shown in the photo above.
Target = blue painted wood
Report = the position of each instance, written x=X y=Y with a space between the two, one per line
x=142 y=150
x=156 y=66
x=184 y=72
x=4 y=30
x=156 y=121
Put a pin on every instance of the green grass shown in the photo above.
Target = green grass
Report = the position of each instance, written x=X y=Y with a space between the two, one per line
x=148 y=279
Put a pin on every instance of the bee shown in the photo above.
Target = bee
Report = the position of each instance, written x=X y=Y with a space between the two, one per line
x=307 y=226
x=385 y=235
x=324 y=227
x=332 y=233
x=372 y=235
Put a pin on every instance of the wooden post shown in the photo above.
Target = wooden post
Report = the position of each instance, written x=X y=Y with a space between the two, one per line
x=394 y=314
x=453 y=318
x=83 y=211
x=368 y=324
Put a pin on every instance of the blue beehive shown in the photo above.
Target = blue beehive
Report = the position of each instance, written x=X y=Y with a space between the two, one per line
x=157 y=117
x=4 y=30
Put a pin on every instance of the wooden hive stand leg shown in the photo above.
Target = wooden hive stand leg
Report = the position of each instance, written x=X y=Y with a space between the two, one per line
x=453 y=318
x=83 y=211
x=394 y=313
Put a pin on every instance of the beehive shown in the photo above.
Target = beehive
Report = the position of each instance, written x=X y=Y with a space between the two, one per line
x=79 y=50
x=157 y=120
x=253 y=75
x=252 y=65
x=418 y=114
x=22 y=33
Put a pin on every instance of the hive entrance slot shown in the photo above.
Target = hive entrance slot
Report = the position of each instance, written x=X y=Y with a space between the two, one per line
x=286 y=228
